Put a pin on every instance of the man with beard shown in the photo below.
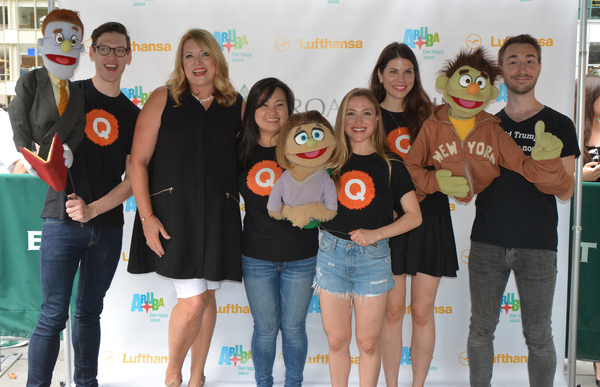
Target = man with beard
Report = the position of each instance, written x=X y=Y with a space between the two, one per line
x=515 y=227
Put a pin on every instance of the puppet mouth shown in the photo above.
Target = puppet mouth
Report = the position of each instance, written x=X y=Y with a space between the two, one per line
x=312 y=155
x=62 y=60
x=467 y=104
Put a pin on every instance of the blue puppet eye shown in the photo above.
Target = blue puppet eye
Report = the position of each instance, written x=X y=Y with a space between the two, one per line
x=465 y=80
x=318 y=134
x=301 y=138
x=481 y=82
x=59 y=38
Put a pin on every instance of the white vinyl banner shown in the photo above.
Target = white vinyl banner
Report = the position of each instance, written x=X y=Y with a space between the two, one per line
x=322 y=49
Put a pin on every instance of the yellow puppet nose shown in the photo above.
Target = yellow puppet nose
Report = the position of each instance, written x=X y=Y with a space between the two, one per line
x=311 y=143
x=473 y=88
x=66 y=46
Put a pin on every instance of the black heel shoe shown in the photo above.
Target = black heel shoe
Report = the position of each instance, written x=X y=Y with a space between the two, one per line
x=595 y=373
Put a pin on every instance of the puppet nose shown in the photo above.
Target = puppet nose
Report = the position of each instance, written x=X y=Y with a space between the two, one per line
x=311 y=143
x=473 y=88
x=66 y=46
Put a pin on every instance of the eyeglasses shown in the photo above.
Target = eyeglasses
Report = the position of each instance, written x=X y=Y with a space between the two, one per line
x=105 y=50
x=58 y=38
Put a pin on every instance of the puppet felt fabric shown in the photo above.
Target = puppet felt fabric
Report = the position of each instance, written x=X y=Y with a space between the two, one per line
x=35 y=113
x=304 y=191
x=467 y=146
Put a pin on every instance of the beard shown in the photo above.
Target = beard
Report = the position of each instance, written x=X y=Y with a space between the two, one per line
x=520 y=88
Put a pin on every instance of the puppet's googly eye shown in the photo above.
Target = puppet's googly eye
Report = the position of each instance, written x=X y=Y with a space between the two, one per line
x=301 y=138
x=465 y=80
x=74 y=40
x=318 y=134
x=58 y=38
x=481 y=82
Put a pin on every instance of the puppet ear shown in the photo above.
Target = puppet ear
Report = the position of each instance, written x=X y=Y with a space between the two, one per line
x=441 y=82
x=495 y=93
x=40 y=42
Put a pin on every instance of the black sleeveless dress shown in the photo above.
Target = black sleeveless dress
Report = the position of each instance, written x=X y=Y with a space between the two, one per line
x=195 y=156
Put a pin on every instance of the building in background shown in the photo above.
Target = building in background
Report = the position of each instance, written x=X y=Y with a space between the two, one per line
x=20 y=28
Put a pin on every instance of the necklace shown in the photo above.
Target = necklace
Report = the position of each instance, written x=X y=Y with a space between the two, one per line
x=202 y=100
x=391 y=115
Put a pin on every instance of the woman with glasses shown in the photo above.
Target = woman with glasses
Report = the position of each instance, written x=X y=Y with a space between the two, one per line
x=184 y=178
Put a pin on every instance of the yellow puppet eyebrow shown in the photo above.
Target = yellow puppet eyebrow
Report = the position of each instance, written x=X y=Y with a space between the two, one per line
x=57 y=30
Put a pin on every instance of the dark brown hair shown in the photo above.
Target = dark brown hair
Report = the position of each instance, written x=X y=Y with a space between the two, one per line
x=111 y=27
x=417 y=107
x=520 y=39
x=477 y=59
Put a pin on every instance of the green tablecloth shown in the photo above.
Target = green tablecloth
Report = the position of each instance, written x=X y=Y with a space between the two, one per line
x=21 y=202
x=588 y=325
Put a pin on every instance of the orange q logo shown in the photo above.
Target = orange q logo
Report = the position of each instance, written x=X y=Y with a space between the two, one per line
x=399 y=141
x=262 y=177
x=101 y=127
x=357 y=190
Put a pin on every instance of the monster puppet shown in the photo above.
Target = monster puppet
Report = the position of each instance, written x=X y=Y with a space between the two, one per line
x=47 y=102
x=304 y=192
x=466 y=145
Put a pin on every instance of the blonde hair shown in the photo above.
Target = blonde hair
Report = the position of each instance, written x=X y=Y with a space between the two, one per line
x=224 y=93
x=295 y=120
x=342 y=152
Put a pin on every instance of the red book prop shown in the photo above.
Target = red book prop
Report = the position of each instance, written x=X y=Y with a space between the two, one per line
x=54 y=172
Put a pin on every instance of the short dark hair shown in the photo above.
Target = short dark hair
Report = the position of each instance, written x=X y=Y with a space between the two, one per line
x=477 y=59
x=110 y=27
x=520 y=39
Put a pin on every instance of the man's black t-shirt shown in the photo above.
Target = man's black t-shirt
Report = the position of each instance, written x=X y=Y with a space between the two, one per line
x=99 y=162
x=512 y=212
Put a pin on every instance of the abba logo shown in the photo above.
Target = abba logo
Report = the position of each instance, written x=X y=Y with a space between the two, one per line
x=102 y=128
x=511 y=306
x=358 y=190
x=262 y=177
x=234 y=355
x=147 y=302
x=414 y=38
x=230 y=40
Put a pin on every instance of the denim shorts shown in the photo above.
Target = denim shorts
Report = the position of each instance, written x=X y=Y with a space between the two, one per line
x=345 y=268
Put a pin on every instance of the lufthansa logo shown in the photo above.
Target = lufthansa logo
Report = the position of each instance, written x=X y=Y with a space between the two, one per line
x=464 y=256
x=463 y=359
x=473 y=41
x=282 y=43
x=101 y=127
x=107 y=357
x=358 y=190
x=262 y=177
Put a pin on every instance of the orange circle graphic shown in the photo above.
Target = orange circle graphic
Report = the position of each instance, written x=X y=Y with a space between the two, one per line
x=357 y=190
x=262 y=177
x=399 y=141
x=101 y=127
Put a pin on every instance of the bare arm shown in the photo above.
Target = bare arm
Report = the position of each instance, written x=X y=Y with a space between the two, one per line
x=412 y=218
x=79 y=211
x=144 y=143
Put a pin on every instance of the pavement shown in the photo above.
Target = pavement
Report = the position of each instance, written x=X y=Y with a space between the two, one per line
x=585 y=372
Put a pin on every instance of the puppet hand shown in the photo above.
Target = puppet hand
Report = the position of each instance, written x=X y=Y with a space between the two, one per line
x=68 y=155
x=452 y=185
x=29 y=167
x=547 y=146
x=299 y=216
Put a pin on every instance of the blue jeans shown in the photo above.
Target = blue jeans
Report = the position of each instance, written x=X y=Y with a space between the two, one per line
x=279 y=295
x=535 y=275
x=65 y=247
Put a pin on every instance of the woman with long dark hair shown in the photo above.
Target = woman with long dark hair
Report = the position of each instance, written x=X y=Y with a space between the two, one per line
x=427 y=252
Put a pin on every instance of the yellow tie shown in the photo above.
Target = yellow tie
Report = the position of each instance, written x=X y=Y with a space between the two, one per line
x=64 y=97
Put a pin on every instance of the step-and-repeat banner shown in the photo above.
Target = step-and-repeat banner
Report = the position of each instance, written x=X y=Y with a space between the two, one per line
x=322 y=49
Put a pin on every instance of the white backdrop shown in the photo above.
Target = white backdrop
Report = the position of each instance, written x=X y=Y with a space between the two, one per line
x=284 y=39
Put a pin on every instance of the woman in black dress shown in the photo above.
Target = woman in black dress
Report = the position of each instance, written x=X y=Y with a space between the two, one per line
x=188 y=226
x=427 y=252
